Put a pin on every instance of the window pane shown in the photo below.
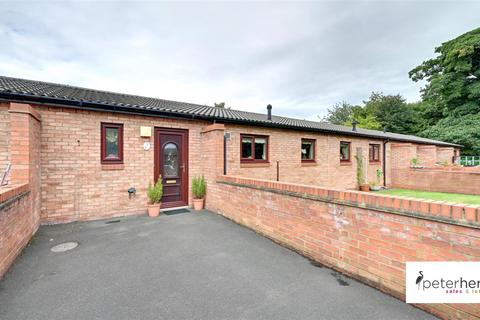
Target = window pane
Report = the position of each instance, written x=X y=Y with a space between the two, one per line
x=111 y=143
x=307 y=150
x=247 y=148
x=344 y=151
x=374 y=152
x=170 y=160
x=260 y=148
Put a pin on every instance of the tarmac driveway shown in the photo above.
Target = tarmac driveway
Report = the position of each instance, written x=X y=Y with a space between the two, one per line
x=184 y=266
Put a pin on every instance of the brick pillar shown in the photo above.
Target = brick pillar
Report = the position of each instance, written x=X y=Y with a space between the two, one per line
x=24 y=142
x=445 y=154
x=399 y=159
x=401 y=155
x=212 y=150
x=212 y=153
x=25 y=124
x=427 y=155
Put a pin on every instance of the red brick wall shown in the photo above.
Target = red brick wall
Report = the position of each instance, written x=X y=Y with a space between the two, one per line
x=20 y=200
x=212 y=151
x=17 y=223
x=429 y=176
x=369 y=237
x=445 y=154
x=76 y=186
x=25 y=127
x=285 y=146
x=4 y=137
x=426 y=155
x=436 y=179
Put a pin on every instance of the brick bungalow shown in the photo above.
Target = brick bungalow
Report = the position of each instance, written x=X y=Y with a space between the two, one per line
x=76 y=152
x=94 y=145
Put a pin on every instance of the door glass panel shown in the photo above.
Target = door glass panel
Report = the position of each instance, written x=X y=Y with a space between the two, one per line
x=170 y=160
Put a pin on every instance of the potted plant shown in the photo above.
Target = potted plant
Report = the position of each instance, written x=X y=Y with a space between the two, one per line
x=375 y=186
x=361 y=174
x=415 y=163
x=199 y=188
x=154 y=194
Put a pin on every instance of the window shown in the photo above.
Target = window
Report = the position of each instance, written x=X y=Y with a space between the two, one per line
x=374 y=153
x=254 y=148
x=112 y=143
x=308 y=150
x=344 y=151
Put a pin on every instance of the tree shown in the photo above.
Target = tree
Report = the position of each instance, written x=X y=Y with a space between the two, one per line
x=463 y=130
x=364 y=118
x=452 y=77
x=392 y=113
x=452 y=92
x=378 y=112
x=219 y=105
x=340 y=113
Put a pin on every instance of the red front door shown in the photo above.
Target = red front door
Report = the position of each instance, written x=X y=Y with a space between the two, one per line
x=171 y=162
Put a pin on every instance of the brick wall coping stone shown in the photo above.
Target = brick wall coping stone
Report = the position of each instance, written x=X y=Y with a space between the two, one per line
x=24 y=108
x=469 y=170
x=440 y=211
x=13 y=192
x=213 y=127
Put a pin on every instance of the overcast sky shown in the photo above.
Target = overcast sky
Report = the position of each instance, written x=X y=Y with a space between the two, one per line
x=300 y=57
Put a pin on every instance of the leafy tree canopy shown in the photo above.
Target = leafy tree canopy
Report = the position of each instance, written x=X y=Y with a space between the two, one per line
x=453 y=86
x=378 y=112
x=464 y=130
x=392 y=112
x=340 y=113
x=452 y=92
x=450 y=106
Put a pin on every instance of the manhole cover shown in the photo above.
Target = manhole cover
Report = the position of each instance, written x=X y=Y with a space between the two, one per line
x=62 y=247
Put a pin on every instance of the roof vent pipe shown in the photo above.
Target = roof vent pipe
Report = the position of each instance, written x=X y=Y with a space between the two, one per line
x=354 y=125
x=269 y=112
x=384 y=129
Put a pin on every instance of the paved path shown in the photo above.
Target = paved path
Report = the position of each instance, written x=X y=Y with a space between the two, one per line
x=185 y=266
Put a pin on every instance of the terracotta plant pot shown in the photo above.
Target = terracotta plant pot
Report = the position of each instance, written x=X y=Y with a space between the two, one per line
x=364 y=187
x=198 y=204
x=153 y=209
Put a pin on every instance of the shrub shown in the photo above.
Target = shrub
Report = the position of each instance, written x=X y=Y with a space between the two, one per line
x=379 y=175
x=155 y=192
x=360 y=170
x=199 y=187
x=414 y=162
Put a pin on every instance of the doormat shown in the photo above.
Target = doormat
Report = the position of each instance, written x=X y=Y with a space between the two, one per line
x=177 y=211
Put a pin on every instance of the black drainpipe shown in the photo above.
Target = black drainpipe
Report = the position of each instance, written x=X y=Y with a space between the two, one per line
x=384 y=164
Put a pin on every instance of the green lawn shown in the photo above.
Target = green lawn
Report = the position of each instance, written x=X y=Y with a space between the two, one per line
x=439 y=196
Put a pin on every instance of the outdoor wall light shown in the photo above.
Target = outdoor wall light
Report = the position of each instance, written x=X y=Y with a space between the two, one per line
x=132 y=192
